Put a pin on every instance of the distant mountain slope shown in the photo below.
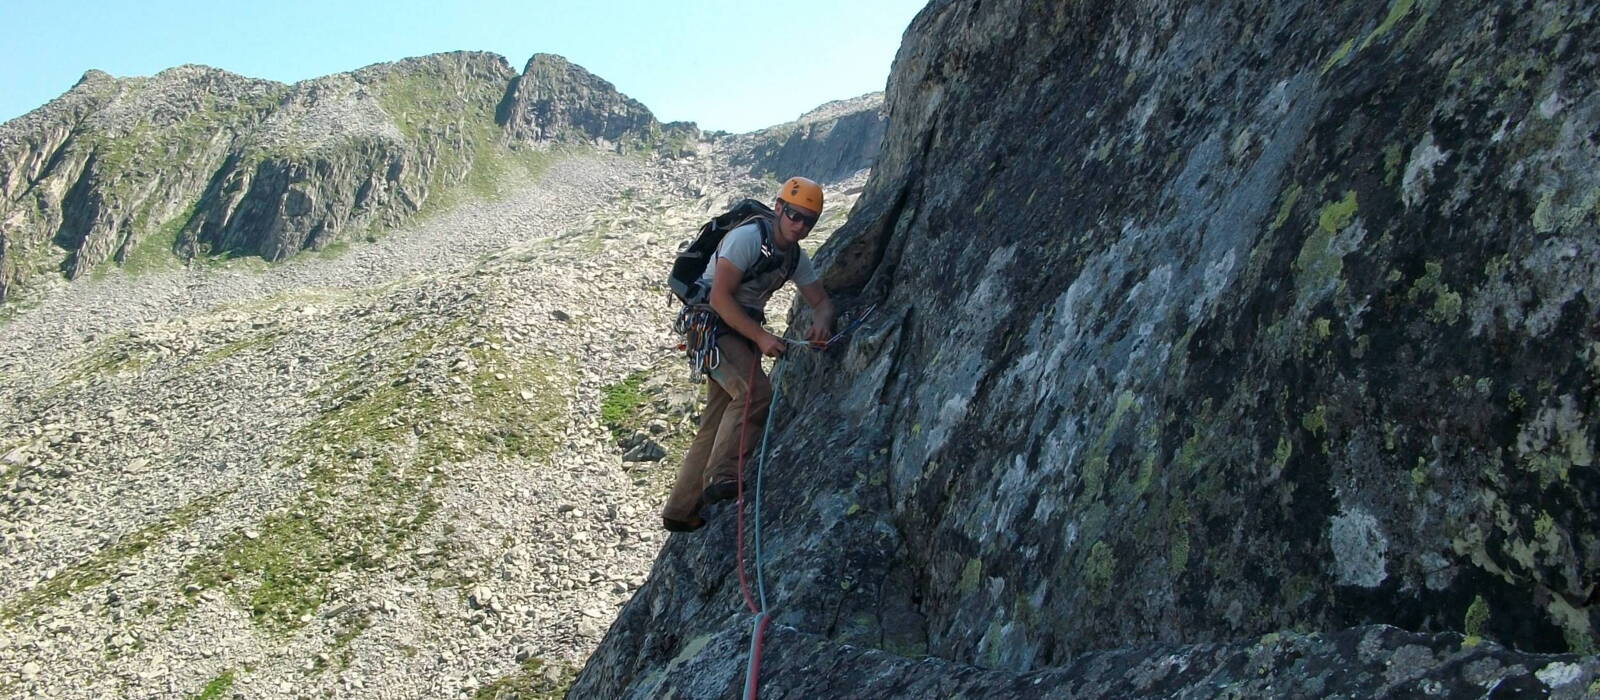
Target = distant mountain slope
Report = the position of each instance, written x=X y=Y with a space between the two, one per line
x=199 y=161
x=827 y=144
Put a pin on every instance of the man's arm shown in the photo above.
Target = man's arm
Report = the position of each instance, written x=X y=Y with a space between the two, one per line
x=723 y=283
x=821 y=312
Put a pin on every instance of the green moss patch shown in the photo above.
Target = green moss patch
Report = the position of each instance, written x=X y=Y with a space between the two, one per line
x=1100 y=567
x=1477 y=616
x=537 y=679
x=1318 y=262
x=217 y=688
x=1447 y=303
x=1339 y=55
x=1335 y=216
x=100 y=567
x=1286 y=207
x=1397 y=10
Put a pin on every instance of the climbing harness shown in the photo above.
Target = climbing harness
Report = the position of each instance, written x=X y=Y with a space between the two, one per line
x=758 y=628
x=698 y=326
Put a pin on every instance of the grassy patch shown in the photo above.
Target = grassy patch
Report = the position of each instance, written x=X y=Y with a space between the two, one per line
x=622 y=405
x=493 y=166
x=334 y=250
x=155 y=252
x=14 y=307
x=352 y=628
x=372 y=462
x=515 y=404
x=101 y=566
x=114 y=355
x=217 y=688
x=531 y=682
x=428 y=103
x=241 y=345
x=356 y=513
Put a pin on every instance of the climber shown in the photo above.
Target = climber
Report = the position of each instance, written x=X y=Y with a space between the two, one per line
x=738 y=391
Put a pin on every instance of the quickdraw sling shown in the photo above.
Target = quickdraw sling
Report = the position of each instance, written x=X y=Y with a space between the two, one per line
x=698 y=325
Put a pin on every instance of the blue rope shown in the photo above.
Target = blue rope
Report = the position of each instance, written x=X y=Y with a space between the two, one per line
x=751 y=679
x=761 y=463
x=752 y=671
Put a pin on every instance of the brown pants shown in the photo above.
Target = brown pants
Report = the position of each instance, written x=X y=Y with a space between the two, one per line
x=715 y=454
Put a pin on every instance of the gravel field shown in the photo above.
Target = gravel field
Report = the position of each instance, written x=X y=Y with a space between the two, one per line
x=377 y=472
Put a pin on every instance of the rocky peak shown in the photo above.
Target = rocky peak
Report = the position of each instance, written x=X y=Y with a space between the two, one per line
x=175 y=95
x=94 y=77
x=556 y=100
x=828 y=144
x=829 y=111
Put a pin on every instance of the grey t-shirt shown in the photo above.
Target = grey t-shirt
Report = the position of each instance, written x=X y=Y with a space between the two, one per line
x=742 y=247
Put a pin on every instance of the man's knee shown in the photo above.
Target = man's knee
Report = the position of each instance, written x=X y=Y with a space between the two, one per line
x=760 y=391
x=757 y=389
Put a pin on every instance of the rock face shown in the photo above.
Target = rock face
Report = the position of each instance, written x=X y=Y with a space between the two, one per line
x=1194 y=325
x=827 y=144
x=202 y=162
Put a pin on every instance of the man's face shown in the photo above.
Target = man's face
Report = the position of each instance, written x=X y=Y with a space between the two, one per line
x=795 y=222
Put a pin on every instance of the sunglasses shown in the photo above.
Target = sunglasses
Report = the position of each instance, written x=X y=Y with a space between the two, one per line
x=799 y=218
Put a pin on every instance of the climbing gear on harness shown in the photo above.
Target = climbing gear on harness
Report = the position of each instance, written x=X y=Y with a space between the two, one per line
x=691 y=262
x=802 y=192
x=698 y=326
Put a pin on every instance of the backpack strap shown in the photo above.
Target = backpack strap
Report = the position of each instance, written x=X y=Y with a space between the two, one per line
x=770 y=259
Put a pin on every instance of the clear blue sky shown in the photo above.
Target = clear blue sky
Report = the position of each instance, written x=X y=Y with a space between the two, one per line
x=735 y=66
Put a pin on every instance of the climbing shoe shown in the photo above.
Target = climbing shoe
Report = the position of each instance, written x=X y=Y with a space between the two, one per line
x=682 y=525
x=721 y=491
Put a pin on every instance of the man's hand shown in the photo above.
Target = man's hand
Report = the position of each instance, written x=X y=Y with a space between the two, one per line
x=770 y=345
x=821 y=314
x=820 y=333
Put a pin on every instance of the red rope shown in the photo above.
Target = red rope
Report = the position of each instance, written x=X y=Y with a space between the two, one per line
x=752 y=679
x=744 y=428
x=753 y=674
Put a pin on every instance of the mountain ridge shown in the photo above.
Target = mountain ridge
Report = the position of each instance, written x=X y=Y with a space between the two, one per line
x=203 y=162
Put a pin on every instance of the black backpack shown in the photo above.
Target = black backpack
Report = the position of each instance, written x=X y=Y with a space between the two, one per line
x=691 y=262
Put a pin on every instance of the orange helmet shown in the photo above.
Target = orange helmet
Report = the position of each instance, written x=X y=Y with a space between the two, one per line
x=801 y=192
